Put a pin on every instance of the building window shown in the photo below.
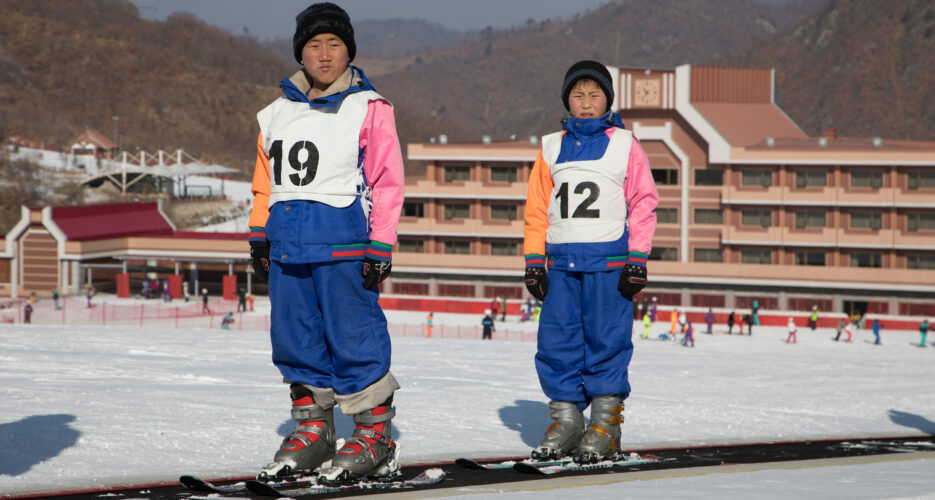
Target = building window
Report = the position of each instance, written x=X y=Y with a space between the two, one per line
x=709 y=255
x=457 y=173
x=411 y=245
x=756 y=177
x=404 y=288
x=503 y=212
x=667 y=215
x=752 y=256
x=809 y=218
x=920 y=180
x=709 y=216
x=503 y=174
x=666 y=177
x=866 y=259
x=508 y=292
x=809 y=258
x=706 y=177
x=811 y=178
x=867 y=179
x=503 y=248
x=453 y=290
x=664 y=253
x=920 y=221
x=920 y=261
x=762 y=218
x=413 y=209
x=457 y=211
x=866 y=220
x=458 y=247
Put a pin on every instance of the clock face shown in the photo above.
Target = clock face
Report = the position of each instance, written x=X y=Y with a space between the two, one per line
x=646 y=92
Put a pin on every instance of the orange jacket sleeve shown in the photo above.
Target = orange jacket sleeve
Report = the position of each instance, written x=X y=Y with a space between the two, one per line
x=261 y=190
x=538 y=195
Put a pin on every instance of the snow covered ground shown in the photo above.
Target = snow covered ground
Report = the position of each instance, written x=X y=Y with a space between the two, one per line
x=85 y=406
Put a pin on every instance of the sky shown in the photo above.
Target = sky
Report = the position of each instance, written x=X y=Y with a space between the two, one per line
x=276 y=19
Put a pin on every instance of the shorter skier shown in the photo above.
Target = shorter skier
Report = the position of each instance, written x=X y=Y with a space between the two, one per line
x=792 y=331
x=428 y=325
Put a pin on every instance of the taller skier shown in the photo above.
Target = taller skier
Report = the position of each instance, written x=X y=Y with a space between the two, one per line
x=328 y=188
x=589 y=226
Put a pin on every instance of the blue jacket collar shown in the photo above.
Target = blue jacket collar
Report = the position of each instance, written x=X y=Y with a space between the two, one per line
x=591 y=126
x=359 y=83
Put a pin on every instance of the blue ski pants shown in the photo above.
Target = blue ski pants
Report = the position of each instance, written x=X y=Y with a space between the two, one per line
x=584 y=340
x=326 y=329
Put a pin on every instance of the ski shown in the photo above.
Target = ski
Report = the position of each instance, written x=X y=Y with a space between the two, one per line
x=425 y=478
x=545 y=469
x=467 y=463
x=195 y=483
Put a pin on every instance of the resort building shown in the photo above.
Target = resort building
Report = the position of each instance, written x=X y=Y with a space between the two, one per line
x=751 y=207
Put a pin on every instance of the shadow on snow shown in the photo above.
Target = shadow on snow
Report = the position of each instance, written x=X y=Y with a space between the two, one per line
x=530 y=418
x=33 y=440
x=912 y=420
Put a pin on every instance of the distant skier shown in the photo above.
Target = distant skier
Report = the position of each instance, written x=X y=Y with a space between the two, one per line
x=674 y=320
x=428 y=325
x=709 y=321
x=503 y=309
x=730 y=323
x=923 y=329
x=90 y=295
x=488 y=324
x=589 y=208
x=876 y=326
x=687 y=330
x=813 y=319
x=227 y=321
x=791 y=338
x=754 y=313
x=647 y=323
x=849 y=330
x=749 y=321
x=204 y=302
x=55 y=296
x=840 y=328
x=27 y=313
x=652 y=310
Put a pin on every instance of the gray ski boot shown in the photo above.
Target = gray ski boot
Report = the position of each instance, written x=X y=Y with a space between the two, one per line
x=602 y=441
x=311 y=443
x=562 y=437
x=369 y=452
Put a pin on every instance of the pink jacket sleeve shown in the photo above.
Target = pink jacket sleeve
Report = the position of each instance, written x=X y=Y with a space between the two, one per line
x=640 y=191
x=383 y=168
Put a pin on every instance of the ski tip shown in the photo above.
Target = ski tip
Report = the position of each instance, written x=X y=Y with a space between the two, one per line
x=527 y=468
x=467 y=463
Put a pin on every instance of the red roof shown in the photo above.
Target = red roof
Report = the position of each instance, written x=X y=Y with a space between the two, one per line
x=112 y=220
x=98 y=139
x=744 y=124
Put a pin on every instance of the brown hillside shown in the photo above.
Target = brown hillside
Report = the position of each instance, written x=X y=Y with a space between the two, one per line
x=864 y=67
x=173 y=84
x=508 y=81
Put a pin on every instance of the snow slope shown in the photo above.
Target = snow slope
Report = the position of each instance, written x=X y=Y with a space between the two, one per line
x=84 y=406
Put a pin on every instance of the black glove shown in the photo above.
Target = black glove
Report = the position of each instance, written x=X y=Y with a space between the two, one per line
x=259 y=252
x=632 y=280
x=374 y=272
x=536 y=282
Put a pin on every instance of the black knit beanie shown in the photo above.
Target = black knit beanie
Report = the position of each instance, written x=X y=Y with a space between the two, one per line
x=592 y=70
x=324 y=17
